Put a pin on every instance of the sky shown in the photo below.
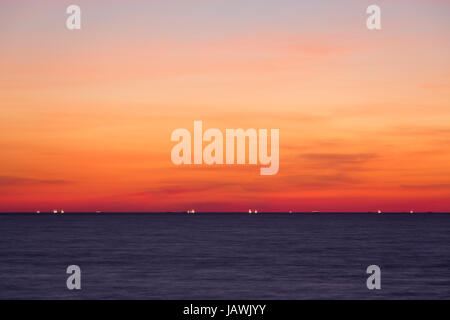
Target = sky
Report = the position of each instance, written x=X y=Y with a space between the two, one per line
x=86 y=115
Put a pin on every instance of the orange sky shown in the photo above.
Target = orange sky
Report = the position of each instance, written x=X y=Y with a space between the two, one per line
x=86 y=116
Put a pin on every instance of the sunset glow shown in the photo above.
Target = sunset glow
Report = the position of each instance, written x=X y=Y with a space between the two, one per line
x=86 y=116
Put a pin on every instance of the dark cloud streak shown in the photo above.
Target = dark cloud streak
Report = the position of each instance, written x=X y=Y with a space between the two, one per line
x=6 y=181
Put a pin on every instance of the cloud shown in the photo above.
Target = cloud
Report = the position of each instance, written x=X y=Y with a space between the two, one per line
x=21 y=181
x=421 y=131
x=184 y=188
x=337 y=159
x=339 y=180
x=435 y=86
x=436 y=186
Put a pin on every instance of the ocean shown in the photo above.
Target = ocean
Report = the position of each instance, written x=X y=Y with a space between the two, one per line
x=225 y=255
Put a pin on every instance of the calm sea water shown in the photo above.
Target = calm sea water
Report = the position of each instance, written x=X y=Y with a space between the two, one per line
x=225 y=256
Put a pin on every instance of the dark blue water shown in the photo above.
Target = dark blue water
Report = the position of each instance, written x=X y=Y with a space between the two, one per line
x=225 y=256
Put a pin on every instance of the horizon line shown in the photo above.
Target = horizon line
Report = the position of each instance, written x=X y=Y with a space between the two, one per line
x=224 y=212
